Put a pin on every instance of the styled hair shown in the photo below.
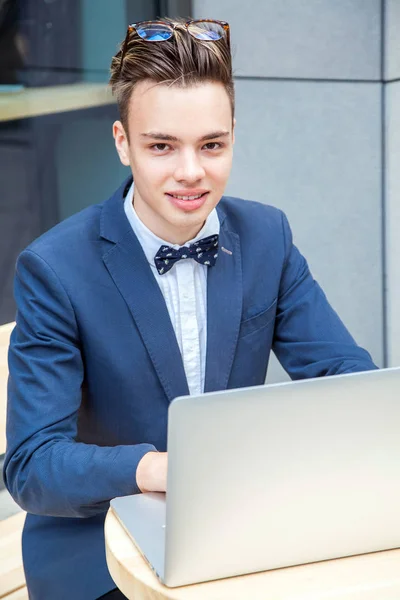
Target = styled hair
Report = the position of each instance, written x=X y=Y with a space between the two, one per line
x=182 y=61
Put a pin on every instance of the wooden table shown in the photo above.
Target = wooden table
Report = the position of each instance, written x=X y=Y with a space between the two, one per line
x=367 y=577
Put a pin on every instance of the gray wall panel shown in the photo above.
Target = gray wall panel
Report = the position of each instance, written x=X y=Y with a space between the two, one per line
x=323 y=39
x=393 y=220
x=392 y=39
x=314 y=150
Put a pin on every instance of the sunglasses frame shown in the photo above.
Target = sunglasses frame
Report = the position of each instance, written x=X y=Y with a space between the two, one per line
x=172 y=26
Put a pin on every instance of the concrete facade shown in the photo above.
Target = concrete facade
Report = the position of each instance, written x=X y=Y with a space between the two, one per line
x=309 y=140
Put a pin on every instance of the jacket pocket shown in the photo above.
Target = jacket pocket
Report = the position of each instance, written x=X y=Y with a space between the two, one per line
x=258 y=321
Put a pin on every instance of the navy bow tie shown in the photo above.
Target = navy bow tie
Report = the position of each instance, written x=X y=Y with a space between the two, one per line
x=204 y=251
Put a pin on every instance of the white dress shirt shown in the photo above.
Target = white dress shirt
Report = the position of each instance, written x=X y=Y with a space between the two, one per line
x=184 y=288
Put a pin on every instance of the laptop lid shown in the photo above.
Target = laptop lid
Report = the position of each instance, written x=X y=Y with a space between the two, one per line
x=284 y=474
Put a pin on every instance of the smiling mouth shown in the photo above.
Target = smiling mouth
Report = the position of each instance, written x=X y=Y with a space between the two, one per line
x=187 y=197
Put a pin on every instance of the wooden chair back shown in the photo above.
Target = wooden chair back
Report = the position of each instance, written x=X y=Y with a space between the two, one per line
x=5 y=332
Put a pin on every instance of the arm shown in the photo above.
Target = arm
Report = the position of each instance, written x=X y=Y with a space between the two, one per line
x=310 y=340
x=46 y=471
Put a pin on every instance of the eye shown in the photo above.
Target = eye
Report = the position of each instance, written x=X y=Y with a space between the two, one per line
x=213 y=146
x=159 y=147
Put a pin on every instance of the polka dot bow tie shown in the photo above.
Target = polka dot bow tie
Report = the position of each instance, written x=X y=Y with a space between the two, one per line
x=204 y=251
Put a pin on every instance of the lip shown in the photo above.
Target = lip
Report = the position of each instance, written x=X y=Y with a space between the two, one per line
x=187 y=192
x=188 y=205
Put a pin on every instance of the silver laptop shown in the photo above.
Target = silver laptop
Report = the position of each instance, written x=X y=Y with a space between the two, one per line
x=274 y=476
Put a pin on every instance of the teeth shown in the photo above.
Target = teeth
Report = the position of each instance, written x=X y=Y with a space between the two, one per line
x=188 y=197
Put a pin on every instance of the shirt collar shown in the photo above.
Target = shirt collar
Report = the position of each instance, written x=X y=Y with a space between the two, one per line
x=150 y=242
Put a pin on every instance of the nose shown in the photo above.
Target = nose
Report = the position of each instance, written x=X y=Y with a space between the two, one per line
x=189 y=168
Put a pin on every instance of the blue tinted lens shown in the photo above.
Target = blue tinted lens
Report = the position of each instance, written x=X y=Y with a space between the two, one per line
x=206 y=30
x=208 y=35
x=153 y=33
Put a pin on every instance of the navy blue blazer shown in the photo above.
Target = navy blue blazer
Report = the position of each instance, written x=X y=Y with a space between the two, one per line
x=94 y=364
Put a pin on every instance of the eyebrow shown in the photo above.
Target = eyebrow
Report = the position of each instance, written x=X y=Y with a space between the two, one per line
x=154 y=135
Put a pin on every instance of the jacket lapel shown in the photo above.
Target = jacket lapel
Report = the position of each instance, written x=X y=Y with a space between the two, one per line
x=224 y=308
x=128 y=266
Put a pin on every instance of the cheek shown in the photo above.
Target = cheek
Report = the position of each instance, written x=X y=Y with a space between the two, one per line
x=151 y=169
x=220 y=172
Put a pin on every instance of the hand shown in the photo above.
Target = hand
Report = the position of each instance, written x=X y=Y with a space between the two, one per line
x=151 y=472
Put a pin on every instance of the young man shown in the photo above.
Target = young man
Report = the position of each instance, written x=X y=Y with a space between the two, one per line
x=167 y=288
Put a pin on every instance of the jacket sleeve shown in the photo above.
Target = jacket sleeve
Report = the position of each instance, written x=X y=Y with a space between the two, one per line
x=46 y=470
x=310 y=340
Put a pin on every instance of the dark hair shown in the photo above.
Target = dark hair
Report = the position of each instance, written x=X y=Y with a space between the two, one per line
x=182 y=60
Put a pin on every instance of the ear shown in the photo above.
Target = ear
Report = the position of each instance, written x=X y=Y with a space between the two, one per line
x=121 y=143
x=233 y=131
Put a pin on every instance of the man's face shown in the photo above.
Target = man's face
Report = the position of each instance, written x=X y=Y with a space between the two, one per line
x=180 y=152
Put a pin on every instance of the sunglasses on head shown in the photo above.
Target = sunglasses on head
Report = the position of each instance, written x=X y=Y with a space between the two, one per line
x=206 y=30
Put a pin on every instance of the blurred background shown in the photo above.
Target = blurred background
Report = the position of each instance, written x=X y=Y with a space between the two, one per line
x=318 y=133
